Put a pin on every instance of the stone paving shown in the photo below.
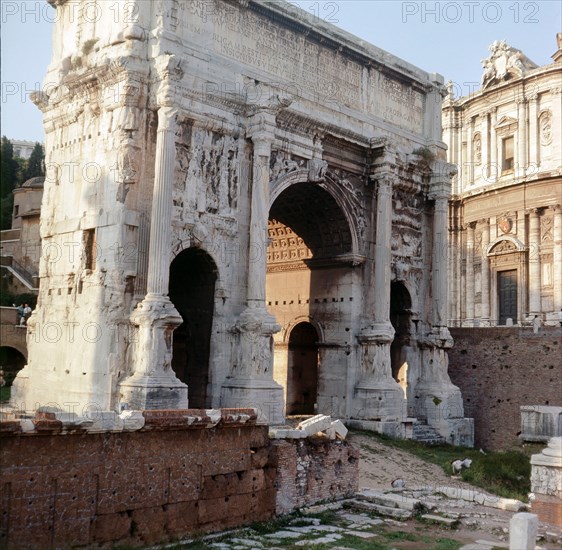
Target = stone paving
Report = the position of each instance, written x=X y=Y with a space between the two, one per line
x=440 y=523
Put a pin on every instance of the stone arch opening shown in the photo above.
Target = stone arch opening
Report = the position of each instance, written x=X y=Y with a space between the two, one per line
x=400 y=317
x=11 y=362
x=193 y=276
x=302 y=370
x=310 y=276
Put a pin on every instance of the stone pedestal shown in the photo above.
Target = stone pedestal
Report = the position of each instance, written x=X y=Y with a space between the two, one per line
x=154 y=384
x=546 y=482
x=252 y=384
x=378 y=397
x=523 y=531
x=438 y=401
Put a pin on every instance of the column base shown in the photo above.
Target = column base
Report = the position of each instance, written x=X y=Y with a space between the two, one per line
x=153 y=384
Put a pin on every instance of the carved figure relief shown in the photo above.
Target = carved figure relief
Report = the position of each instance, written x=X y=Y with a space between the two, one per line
x=281 y=163
x=207 y=172
x=503 y=247
x=545 y=125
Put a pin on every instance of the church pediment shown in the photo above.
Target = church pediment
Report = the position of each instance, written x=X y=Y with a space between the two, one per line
x=505 y=121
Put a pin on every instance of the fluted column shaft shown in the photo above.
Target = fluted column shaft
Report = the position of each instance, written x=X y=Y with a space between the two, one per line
x=382 y=251
x=439 y=264
x=161 y=215
x=257 y=257
x=485 y=303
x=534 y=263
x=469 y=295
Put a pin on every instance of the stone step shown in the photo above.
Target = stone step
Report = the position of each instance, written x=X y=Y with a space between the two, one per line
x=392 y=500
x=426 y=434
x=396 y=513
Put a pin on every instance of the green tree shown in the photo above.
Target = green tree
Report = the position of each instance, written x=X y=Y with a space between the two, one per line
x=35 y=163
x=8 y=168
x=8 y=182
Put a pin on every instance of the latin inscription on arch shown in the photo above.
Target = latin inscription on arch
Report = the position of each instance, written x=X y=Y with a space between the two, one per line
x=301 y=65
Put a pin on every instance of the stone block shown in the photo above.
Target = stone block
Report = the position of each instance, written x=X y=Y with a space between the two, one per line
x=106 y=421
x=340 y=429
x=316 y=424
x=287 y=433
x=523 y=531
x=132 y=420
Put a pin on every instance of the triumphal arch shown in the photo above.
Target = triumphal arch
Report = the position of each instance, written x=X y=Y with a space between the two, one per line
x=244 y=206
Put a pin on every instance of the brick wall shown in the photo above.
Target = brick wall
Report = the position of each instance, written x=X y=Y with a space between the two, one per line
x=132 y=488
x=174 y=474
x=500 y=369
x=311 y=470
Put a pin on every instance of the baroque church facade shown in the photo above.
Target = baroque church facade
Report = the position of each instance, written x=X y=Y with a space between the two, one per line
x=505 y=219
x=256 y=215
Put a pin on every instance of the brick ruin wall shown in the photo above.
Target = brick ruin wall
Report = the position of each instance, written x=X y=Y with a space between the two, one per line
x=174 y=477
x=310 y=470
x=500 y=369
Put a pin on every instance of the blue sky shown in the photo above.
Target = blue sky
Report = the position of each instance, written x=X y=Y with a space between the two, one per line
x=445 y=37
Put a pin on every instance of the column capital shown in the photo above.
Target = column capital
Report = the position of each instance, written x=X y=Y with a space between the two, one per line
x=441 y=176
x=532 y=96
x=469 y=225
x=533 y=212
x=520 y=100
x=167 y=118
x=556 y=208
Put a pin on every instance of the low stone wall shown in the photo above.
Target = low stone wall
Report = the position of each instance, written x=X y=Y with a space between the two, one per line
x=134 y=488
x=310 y=470
x=162 y=476
x=500 y=369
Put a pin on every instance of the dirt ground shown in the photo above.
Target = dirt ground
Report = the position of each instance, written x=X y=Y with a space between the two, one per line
x=380 y=464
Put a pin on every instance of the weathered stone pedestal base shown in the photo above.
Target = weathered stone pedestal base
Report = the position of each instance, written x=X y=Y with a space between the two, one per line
x=438 y=401
x=252 y=383
x=154 y=392
x=154 y=384
x=442 y=408
x=546 y=482
x=378 y=397
x=266 y=396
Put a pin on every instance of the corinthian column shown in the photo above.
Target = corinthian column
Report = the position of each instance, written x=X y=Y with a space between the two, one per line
x=154 y=384
x=251 y=383
x=378 y=396
x=439 y=401
x=534 y=263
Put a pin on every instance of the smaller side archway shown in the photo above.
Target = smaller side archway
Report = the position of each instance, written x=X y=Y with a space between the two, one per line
x=302 y=369
x=11 y=362
x=193 y=277
x=400 y=317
